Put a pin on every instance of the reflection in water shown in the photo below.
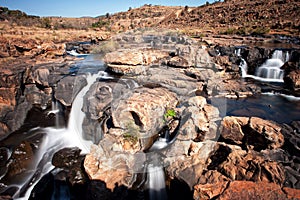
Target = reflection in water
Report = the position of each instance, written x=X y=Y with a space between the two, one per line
x=279 y=108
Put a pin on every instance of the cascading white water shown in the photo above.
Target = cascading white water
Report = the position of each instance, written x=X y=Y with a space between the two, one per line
x=244 y=67
x=55 y=110
x=269 y=71
x=56 y=138
x=77 y=116
x=157 y=183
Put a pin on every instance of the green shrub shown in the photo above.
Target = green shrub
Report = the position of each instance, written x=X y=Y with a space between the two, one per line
x=170 y=113
x=100 y=24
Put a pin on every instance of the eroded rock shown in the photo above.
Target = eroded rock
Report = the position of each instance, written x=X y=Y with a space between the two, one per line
x=133 y=62
x=252 y=133
x=143 y=110
x=68 y=88
x=256 y=190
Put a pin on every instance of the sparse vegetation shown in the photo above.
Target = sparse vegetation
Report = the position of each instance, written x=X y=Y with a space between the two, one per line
x=246 y=31
x=100 y=24
x=106 y=47
x=132 y=133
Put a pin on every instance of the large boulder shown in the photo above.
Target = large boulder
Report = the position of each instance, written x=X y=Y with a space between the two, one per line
x=292 y=75
x=173 y=79
x=200 y=125
x=68 y=88
x=113 y=165
x=191 y=56
x=143 y=110
x=252 y=133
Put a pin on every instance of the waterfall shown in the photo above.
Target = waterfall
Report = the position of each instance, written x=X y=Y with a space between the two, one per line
x=57 y=138
x=244 y=67
x=237 y=52
x=279 y=54
x=270 y=71
x=55 y=110
x=157 y=183
x=77 y=116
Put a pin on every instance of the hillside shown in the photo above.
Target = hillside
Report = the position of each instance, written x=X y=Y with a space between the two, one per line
x=243 y=17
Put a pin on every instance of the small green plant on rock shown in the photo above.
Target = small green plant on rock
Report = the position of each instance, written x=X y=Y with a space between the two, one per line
x=170 y=113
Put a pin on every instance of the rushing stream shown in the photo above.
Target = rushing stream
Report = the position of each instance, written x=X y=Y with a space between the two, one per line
x=277 y=107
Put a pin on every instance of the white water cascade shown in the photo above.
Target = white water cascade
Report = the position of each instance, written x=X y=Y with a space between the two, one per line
x=271 y=68
x=269 y=71
x=56 y=138
x=157 y=183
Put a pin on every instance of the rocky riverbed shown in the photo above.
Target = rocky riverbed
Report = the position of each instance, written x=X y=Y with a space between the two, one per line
x=152 y=87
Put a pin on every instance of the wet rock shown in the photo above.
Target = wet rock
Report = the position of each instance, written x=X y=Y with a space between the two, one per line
x=253 y=133
x=5 y=197
x=68 y=88
x=256 y=190
x=96 y=106
x=255 y=57
x=99 y=97
x=20 y=160
x=66 y=158
x=291 y=75
x=70 y=160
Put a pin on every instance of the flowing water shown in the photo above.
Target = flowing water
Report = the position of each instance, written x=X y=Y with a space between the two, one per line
x=72 y=136
x=157 y=183
x=269 y=71
x=277 y=107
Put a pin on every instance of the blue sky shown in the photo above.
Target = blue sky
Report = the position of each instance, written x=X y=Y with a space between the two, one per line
x=79 y=8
